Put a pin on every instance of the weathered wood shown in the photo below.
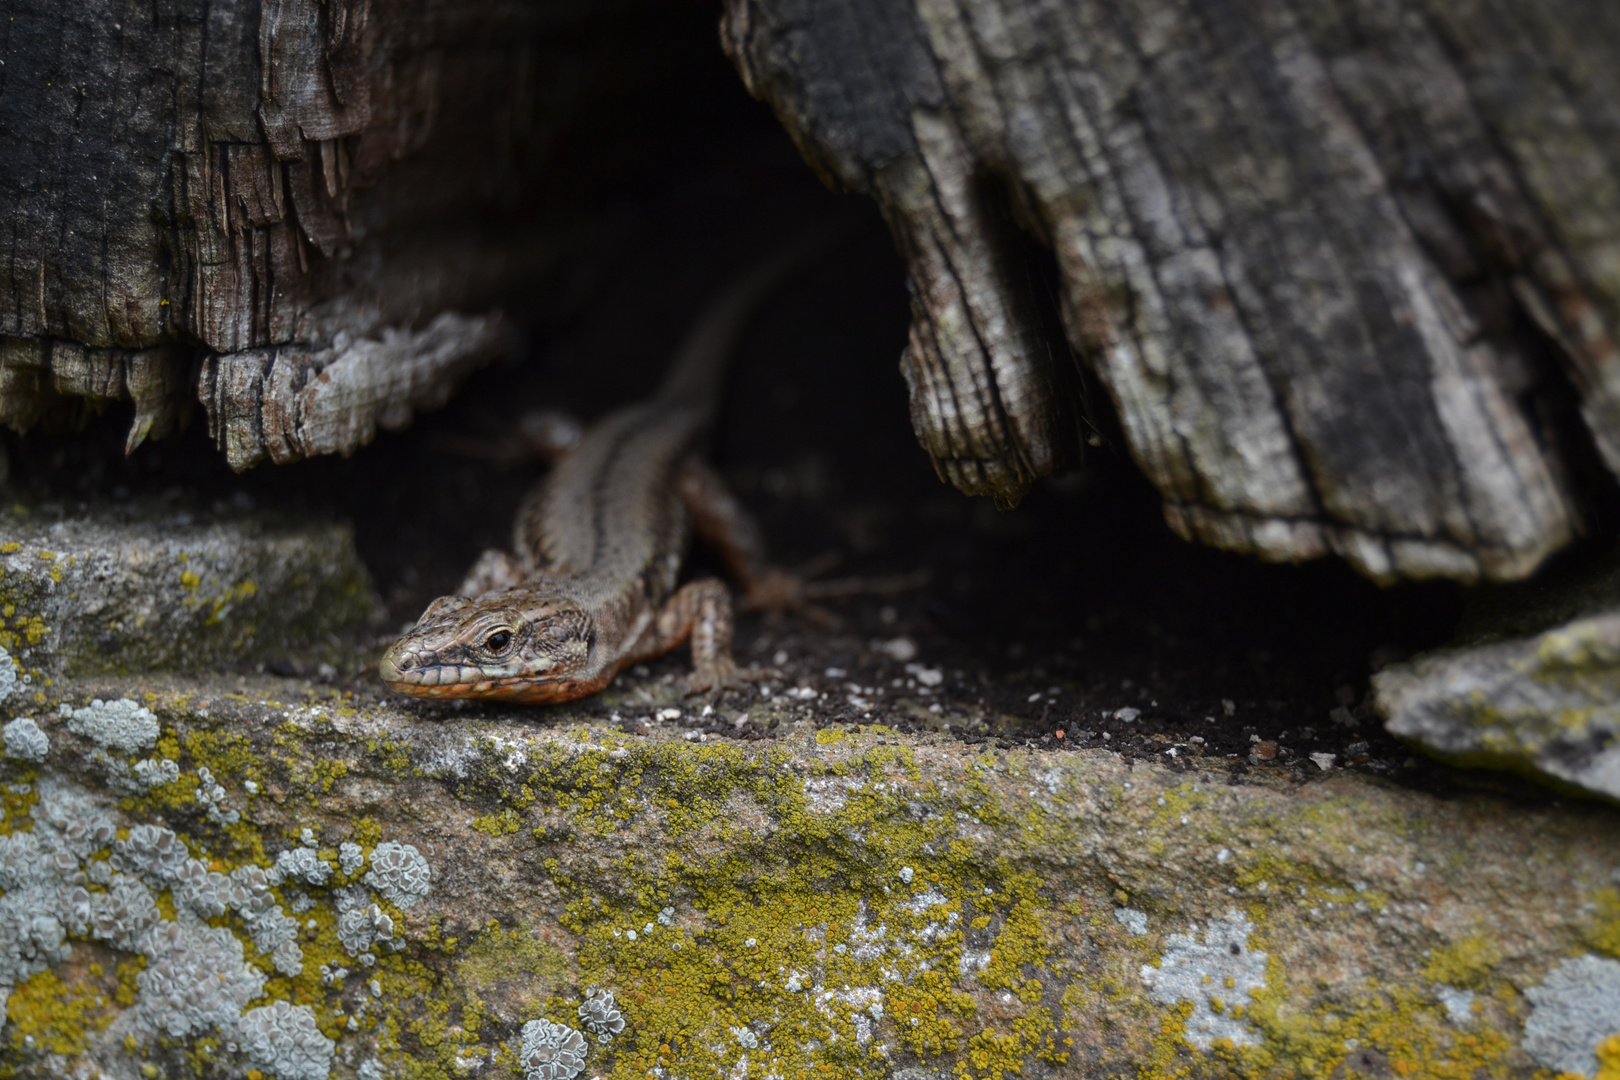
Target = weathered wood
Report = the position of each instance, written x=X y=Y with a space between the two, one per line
x=193 y=188
x=294 y=402
x=1329 y=261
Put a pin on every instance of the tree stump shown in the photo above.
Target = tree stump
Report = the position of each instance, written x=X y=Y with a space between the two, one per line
x=278 y=210
x=1350 y=274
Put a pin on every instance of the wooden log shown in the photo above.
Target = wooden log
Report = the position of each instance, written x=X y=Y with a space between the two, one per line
x=190 y=187
x=1333 y=263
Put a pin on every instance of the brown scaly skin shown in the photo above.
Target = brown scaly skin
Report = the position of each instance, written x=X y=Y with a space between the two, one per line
x=548 y=642
x=600 y=546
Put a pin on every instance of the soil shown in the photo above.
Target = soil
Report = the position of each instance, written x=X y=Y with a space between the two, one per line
x=1076 y=620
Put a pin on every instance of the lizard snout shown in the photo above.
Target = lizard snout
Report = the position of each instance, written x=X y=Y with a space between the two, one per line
x=395 y=664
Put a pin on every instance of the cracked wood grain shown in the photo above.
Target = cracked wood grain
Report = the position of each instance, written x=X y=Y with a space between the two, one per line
x=190 y=184
x=294 y=402
x=1327 y=260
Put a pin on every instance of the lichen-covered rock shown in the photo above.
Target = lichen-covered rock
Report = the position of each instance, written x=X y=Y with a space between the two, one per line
x=120 y=725
x=399 y=872
x=601 y=1016
x=8 y=675
x=195 y=980
x=551 y=1051
x=302 y=864
x=147 y=587
x=285 y=1042
x=1216 y=971
x=500 y=894
x=1546 y=705
x=24 y=741
x=1575 y=1010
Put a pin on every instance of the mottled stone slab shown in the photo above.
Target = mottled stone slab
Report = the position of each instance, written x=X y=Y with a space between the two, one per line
x=152 y=586
x=1547 y=705
x=422 y=891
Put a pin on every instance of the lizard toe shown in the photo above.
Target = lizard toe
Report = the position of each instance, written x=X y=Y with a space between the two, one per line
x=719 y=675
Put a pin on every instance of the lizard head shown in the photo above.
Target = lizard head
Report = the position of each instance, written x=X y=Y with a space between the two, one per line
x=515 y=644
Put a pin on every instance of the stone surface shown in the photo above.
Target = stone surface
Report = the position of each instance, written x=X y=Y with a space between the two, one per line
x=826 y=903
x=1547 y=705
x=140 y=587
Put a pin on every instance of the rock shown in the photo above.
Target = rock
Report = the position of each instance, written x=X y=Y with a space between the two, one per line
x=141 y=588
x=1547 y=705
x=949 y=912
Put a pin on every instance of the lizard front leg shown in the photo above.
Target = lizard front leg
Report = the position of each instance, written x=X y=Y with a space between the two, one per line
x=720 y=519
x=698 y=612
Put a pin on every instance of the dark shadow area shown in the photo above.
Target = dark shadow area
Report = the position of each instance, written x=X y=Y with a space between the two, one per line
x=1076 y=620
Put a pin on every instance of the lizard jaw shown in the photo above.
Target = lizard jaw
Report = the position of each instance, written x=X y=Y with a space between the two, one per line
x=403 y=671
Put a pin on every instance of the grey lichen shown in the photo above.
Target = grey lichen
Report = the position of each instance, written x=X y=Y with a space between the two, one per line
x=271 y=928
x=350 y=858
x=284 y=1041
x=288 y=959
x=201 y=890
x=196 y=979
x=8 y=675
x=601 y=1015
x=34 y=908
x=155 y=771
x=302 y=864
x=551 y=1051
x=123 y=725
x=1576 y=1007
x=1214 y=974
x=1135 y=922
x=76 y=822
x=1459 y=1003
x=361 y=924
x=23 y=738
x=211 y=795
x=400 y=873
x=123 y=913
x=152 y=852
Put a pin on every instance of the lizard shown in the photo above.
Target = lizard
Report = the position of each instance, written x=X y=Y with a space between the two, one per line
x=594 y=588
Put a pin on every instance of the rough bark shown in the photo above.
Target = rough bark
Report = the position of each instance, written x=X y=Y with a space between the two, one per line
x=1334 y=264
x=288 y=185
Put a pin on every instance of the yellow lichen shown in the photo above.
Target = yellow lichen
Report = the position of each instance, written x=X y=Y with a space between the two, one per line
x=1603 y=934
x=1467 y=963
x=1608 y=1054
x=49 y=1014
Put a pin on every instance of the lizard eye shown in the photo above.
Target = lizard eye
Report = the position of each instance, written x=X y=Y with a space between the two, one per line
x=499 y=640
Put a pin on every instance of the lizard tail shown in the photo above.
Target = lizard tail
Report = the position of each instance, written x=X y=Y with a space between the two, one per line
x=698 y=370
